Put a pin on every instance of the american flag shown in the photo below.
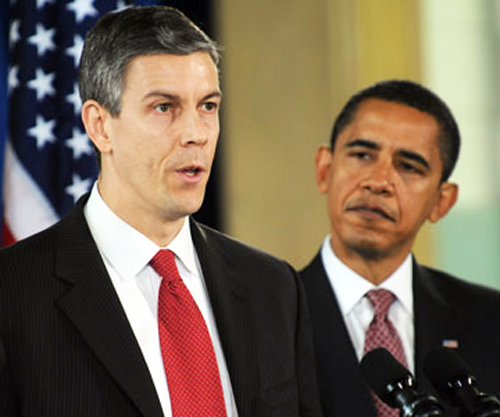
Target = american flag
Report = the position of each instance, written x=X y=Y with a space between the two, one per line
x=49 y=160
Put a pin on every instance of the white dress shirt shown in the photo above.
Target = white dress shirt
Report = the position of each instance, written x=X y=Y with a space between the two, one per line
x=350 y=289
x=127 y=253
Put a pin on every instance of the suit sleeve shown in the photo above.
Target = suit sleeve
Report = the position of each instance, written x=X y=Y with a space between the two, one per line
x=306 y=370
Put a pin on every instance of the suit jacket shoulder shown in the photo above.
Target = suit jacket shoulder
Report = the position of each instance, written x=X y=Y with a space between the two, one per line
x=263 y=323
x=453 y=290
x=241 y=256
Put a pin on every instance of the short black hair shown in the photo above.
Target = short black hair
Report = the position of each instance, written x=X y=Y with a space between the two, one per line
x=414 y=95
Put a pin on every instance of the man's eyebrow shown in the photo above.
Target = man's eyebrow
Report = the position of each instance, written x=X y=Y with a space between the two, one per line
x=175 y=97
x=414 y=157
x=215 y=94
x=364 y=143
x=162 y=94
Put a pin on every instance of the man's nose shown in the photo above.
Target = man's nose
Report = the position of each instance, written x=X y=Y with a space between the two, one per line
x=193 y=129
x=380 y=179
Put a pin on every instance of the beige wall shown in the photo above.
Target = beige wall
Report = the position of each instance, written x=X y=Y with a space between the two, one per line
x=288 y=67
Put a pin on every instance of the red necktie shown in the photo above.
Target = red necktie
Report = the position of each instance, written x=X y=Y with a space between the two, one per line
x=382 y=333
x=188 y=354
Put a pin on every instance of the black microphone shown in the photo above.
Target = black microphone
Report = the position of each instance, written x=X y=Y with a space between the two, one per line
x=395 y=385
x=453 y=380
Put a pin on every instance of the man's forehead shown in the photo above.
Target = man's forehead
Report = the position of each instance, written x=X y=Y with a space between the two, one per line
x=133 y=61
x=387 y=107
x=388 y=123
x=172 y=70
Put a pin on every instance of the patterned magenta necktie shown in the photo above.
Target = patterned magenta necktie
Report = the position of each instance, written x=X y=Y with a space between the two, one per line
x=188 y=354
x=382 y=333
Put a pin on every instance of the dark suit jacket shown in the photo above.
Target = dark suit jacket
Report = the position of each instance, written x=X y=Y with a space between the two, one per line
x=445 y=308
x=67 y=349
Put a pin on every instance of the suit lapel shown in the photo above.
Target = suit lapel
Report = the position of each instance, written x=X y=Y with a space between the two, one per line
x=340 y=381
x=92 y=305
x=230 y=301
x=342 y=387
x=435 y=322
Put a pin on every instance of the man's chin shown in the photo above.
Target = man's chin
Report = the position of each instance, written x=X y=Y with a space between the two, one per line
x=177 y=209
x=369 y=250
x=191 y=207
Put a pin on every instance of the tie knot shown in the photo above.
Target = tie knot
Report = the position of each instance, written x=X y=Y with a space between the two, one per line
x=381 y=300
x=164 y=263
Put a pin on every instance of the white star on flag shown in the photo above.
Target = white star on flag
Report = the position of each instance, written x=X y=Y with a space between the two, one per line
x=41 y=3
x=14 y=34
x=43 y=131
x=13 y=78
x=76 y=50
x=74 y=99
x=42 y=83
x=43 y=39
x=82 y=9
x=78 y=188
x=79 y=143
x=120 y=5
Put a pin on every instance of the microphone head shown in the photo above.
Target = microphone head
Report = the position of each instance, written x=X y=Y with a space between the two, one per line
x=382 y=370
x=443 y=366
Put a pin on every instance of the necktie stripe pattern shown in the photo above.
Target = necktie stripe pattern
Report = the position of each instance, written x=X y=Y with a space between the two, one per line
x=382 y=333
x=188 y=354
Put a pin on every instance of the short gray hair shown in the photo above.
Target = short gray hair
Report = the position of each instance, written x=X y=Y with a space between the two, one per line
x=119 y=37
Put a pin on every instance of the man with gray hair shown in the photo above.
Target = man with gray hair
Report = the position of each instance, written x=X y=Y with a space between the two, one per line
x=128 y=307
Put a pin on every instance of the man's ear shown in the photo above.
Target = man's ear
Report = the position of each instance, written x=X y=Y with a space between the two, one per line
x=448 y=195
x=323 y=163
x=95 y=118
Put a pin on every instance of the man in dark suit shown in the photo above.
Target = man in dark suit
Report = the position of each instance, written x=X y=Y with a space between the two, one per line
x=386 y=171
x=83 y=328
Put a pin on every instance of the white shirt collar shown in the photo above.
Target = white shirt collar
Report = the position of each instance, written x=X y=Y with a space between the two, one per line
x=128 y=250
x=351 y=287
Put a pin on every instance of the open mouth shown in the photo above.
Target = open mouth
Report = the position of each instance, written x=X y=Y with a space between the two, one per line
x=191 y=171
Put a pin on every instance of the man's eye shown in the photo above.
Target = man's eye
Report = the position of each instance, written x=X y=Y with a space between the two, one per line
x=164 y=107
x=360 y=155
x=210 y=106
x=411 y=168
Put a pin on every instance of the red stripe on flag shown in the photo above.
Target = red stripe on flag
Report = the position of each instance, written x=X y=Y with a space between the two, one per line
x=7 y=236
